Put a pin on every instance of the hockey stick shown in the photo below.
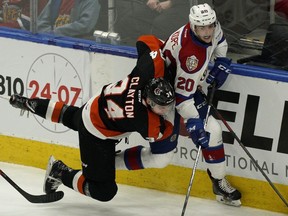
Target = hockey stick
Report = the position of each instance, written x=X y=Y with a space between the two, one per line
x=45 y=198
x=244 y=148
x=4 y=97
x=198 y=153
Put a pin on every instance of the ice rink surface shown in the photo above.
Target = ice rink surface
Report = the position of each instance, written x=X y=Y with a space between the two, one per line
x=130 y=201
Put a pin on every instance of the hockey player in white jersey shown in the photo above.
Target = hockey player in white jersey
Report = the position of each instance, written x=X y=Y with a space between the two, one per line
x=188 y=52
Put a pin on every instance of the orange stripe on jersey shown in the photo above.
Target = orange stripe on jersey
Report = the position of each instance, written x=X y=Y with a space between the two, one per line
x=151 y=41
x=154 y=45
x=97 y=121
x=168 y=130
x=80 y=183
x=153 y=125
x=57 y=111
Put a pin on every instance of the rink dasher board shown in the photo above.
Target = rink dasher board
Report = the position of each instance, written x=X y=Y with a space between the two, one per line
x=33 y=67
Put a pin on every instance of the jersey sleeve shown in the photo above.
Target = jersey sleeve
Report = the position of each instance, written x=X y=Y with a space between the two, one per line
x=222 y=46
x=168 y=52
x=150 y=63
x=153 y=127
x=147 y=42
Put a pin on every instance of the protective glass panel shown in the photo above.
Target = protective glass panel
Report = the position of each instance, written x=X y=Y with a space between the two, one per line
x=251 y=27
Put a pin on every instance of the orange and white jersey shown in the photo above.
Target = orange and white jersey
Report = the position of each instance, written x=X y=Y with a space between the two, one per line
x=119 y=109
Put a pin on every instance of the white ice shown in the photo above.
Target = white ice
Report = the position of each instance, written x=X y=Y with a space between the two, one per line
x=129 y=201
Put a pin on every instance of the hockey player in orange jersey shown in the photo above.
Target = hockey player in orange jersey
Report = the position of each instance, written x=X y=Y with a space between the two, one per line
x=134 y=104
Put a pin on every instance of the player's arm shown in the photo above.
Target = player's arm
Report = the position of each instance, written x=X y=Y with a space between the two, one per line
x=193 y=122
x=222 y=45
x=147 y=43
x=140 y=157
x=169 y=53
x=156 y=127
x=222 y=65
x=170 y=50
x=150 y=63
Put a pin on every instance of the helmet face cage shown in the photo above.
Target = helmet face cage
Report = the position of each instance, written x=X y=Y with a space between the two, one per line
x=201 y=15
x=160 y=92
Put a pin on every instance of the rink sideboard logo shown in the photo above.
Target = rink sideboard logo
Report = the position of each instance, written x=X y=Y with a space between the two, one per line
x=53 y=76
x=248 y=125
x=50 y=76
x=236 y=162
x=251 y=112
x=268 y=149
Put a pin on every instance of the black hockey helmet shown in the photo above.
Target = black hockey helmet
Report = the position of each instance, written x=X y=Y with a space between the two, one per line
x=159 y=91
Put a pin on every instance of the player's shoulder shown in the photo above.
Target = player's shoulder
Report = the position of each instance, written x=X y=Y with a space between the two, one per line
x=218 y=35
x=148 y=43
x=179 y=33
x=174 y=42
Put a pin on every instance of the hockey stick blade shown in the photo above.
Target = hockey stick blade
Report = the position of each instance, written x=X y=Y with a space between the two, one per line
x=45 y=198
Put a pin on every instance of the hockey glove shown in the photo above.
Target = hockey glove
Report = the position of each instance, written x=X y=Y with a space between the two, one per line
x=219 y=72
x=199 y=136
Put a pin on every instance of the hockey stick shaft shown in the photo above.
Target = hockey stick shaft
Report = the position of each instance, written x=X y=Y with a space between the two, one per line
x=198 y=154
x=4 y=97
x=45 y=198
x=191 y=181
x=11 y=182
x=246 y=150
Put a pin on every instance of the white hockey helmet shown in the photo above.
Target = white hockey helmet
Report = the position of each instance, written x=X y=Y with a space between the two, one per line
x=201 y=15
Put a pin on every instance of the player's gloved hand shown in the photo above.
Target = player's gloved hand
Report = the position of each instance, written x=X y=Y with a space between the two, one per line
x=220 y=71
x=199 y=136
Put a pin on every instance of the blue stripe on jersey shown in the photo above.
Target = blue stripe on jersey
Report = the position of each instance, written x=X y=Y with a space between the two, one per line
x=132 y=158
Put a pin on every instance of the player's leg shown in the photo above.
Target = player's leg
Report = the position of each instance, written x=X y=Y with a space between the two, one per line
x=214 y=156
x=26 y=104
x=97 y=177
x=48 y=109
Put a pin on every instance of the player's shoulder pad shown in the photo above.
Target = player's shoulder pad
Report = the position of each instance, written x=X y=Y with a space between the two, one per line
x=218 y=35
x=148 y=42
x=175 y=39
